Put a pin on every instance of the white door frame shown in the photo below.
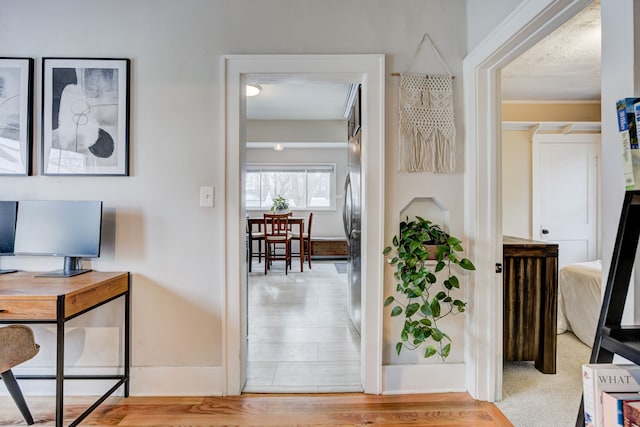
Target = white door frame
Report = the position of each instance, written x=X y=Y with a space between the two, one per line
x=530 y=22
x=369 y=70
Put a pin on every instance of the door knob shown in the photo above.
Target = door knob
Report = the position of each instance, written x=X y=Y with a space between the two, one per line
x=545 y=231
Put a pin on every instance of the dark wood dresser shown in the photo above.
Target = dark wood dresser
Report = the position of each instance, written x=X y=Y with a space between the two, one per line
x=530 y=302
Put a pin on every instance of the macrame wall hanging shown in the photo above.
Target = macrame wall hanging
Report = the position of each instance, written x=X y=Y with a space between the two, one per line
x=427 y=130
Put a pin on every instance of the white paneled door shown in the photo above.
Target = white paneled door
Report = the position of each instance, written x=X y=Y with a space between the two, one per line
x=565 y=194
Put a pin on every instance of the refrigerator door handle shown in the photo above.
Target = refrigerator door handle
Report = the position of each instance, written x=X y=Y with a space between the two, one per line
x=346 y=221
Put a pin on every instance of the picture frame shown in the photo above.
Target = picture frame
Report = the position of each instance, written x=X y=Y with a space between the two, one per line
x=85 y=116
x=16 y=115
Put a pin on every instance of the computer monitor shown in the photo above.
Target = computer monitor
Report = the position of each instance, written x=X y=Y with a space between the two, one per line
x=7 y=230
x=64 y=228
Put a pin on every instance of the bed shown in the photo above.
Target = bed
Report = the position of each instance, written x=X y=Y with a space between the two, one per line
x=579 y=299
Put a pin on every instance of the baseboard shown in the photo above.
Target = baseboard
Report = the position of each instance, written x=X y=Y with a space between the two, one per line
x=177 y=381
x=146 y=381
x=433 y=378
x=329 y=258
x=208 y=381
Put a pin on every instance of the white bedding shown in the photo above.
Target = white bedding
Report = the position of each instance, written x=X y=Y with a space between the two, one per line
x=579 y=299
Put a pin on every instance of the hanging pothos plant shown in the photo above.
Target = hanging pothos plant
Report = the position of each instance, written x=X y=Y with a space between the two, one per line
x=425 y=259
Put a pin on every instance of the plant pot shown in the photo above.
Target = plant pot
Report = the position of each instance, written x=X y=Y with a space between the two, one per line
x=432 y=251
x=281 y=211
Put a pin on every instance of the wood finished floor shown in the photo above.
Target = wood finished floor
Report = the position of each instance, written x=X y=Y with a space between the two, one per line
x=345 y=409
x=303 y=311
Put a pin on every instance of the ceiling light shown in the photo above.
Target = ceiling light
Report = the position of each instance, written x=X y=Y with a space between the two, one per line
x=278 y=147
x=253 y=90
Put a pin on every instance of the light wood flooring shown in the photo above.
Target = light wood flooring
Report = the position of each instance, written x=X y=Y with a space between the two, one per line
x=347 y=409
x=301 y=339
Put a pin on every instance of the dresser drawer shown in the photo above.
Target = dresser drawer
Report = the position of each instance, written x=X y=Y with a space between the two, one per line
x=15 y=309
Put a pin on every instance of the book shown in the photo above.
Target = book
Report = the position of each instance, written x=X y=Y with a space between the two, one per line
x=634 y=142
x=612 y=407
x=605 y=377
x=631 y=414
x=627 y=131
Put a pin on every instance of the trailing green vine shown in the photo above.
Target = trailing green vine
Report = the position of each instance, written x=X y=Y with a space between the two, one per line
x=423 y=303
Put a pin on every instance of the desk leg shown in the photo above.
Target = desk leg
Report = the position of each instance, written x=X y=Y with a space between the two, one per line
x=60 y=362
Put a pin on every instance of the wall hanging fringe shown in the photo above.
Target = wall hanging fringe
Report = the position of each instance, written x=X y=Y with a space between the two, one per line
x=427 y=129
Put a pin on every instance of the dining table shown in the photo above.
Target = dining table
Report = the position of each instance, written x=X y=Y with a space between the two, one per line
x=293 y=221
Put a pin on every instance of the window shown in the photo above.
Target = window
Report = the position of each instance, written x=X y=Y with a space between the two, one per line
x=305 y=186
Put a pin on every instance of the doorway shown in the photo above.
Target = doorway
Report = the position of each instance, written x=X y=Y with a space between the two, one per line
x=367 y=70
x=483 y=217
x=300 y=336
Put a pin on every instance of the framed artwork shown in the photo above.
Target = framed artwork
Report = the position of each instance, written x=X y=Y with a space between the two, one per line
x=85 y=116
x=16 y=115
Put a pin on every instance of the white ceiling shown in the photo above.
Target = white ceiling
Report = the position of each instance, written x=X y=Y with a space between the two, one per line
x=565 y=66
x=299 y=101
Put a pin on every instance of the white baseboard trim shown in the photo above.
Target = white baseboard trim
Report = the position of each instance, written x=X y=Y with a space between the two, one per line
x=146 y=381
x=408 y=379
x=208 y=381
x=177 y=381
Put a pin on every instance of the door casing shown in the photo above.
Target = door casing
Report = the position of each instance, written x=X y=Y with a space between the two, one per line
x=367 y=69
x=529 y=23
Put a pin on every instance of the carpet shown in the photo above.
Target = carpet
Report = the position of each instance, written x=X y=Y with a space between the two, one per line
x=533 y=399
x=341 y=267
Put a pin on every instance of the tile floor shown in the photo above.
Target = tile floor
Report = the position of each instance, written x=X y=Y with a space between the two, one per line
x=300 y=335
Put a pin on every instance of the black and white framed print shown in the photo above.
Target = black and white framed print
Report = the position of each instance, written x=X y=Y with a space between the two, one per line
x=85 y=116
x=16 y=115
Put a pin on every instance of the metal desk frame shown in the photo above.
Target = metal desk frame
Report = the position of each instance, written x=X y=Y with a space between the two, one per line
x=59 y=377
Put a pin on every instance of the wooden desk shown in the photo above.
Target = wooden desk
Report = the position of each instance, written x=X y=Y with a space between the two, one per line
x=295 y=220
x=28 y=299
x=530 y=302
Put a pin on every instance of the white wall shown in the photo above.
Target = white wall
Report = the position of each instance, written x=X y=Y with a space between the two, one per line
x=174 y=248
x=297 y=131
x=618 y=75
x=484 y=16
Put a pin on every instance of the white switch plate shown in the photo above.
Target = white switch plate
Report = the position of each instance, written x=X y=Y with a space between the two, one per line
x=206 y=197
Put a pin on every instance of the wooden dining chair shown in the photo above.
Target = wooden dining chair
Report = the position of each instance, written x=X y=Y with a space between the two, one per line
x=255 y=233
x=306 y=240
x=277 y=238
x=17 y=345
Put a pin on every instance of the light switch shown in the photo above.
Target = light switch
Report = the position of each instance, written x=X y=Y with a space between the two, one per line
x=206 y=197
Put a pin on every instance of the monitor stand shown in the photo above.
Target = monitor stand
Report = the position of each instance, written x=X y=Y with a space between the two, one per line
x=70 y=264
x=8 y=271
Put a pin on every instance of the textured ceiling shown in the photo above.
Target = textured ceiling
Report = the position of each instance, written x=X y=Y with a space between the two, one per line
x=563 y=66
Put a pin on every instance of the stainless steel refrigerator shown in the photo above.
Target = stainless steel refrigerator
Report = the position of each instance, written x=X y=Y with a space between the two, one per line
x=351 y=212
